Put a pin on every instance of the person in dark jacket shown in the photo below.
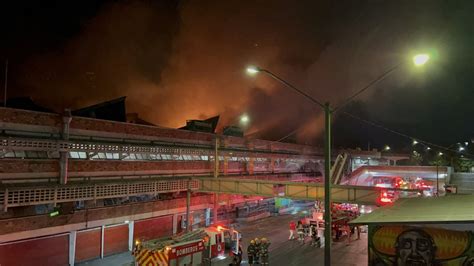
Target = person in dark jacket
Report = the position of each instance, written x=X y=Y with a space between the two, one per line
x=315 y=239
x=256 y=259
x=264 y=256
x=251 y=252
x=300 y=230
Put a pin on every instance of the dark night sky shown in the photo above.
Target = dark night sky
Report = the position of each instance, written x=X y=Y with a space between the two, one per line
x=178 y=60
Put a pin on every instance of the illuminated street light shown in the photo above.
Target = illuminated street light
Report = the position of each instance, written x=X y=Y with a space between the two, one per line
x=387 y=148
x=466 y=143
x=420 y=59
x=440 y=153
x=461 y=148
x=244 y=119
x=415 y=142
x=253 y=70
x=428 y=148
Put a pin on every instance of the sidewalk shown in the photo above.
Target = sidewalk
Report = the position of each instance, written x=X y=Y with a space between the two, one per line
x=121 y=259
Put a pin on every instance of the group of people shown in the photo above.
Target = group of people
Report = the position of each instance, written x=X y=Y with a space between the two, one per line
x=257 y=251
x=303 y=232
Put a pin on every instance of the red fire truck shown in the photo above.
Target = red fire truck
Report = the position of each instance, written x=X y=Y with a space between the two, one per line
x=190 y=249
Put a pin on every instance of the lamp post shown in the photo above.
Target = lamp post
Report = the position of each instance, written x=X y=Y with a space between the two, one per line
x=438 y=162
x=418 y=60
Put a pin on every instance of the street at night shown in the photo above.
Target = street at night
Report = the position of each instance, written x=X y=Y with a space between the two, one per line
x=282 y=251
x=204 y=132
x=285 y=252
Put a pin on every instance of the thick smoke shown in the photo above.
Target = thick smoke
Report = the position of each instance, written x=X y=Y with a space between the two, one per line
x=177 y=61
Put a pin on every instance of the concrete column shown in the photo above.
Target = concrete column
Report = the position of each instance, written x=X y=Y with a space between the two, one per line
x=188 y=203
x=250 y=166
x=208 y=216
x=72 y=247
x=216 y=206
x=226 y=165
x=63 y=164
x=216 y=174
x=102 y=232
x=175 y=223
x=64 y=155
x=272 y=165
x=131 y=225
x=216 y=157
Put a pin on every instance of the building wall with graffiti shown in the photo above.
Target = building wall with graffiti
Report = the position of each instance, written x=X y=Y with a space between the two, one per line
x=430 y=245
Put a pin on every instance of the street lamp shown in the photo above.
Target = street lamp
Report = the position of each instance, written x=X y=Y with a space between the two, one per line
x=418 y=60
x=438 y=161
x=252 y=70
x=244 y=119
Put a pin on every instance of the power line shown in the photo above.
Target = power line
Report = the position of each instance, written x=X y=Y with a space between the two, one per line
x=377 y=125
x=373 y=82
x=424 y=142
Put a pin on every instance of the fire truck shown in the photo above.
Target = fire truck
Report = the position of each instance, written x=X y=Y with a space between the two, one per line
x=191 y=248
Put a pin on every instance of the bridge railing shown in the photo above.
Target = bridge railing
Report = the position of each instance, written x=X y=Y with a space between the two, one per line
x=14 y=196
x=294 y=190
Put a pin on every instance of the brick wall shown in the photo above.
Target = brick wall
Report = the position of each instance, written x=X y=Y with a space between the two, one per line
x=43 y=221
x=9 y=115
x=93 y=166
x=28 y=166
x=153 y=228
x=42 y=166
x=16 y=116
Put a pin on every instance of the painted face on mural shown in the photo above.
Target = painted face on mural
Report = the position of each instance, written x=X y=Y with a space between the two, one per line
x=415 y=248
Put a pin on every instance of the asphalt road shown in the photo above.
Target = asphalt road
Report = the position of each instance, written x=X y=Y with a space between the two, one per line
x=285 y=252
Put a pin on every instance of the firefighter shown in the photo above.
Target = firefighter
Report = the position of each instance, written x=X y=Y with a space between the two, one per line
x=251 y=252
x=315 y=239
x=237 y=258
x=256 y=258
x=137 y=247
x=300 y=230
x=264 y=251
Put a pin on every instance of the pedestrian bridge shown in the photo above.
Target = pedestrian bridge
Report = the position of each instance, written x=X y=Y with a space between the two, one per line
x=294 y=190
x=364 y=176
x=36 y=194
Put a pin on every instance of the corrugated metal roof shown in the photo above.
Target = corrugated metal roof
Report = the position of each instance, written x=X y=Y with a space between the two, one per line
x=449 y=209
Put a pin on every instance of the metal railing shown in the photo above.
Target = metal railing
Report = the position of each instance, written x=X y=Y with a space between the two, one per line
x=294 y=190
x=13 y=196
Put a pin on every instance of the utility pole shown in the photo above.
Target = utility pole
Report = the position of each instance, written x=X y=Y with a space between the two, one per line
x=216 y=175
x=437 y=179
x=188 y=205
x=327 y=185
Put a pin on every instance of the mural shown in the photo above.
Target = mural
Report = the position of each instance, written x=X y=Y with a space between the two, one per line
x=420 y=246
